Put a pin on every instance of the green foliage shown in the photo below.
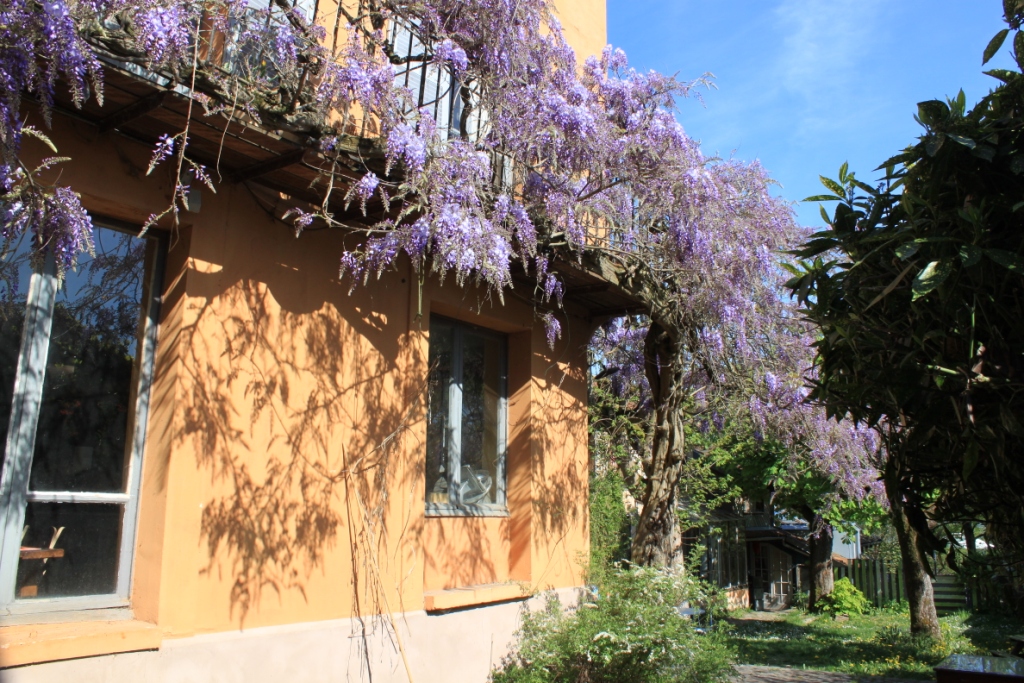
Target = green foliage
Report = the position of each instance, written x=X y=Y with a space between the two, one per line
x=886 y=548
x=844 y=599
x=630 y=632
x=746 y=465
x=703 y=486
x=893 y=636
x=759 y=467
x=618 y=427
x=609 y=524
x=952 y=641
x=918 y=288
x=875 y=644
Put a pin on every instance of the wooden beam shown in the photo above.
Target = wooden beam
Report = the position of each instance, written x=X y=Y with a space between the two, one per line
x=140 y=107
x=588 y=289
x=625 y=309
x=267 y=166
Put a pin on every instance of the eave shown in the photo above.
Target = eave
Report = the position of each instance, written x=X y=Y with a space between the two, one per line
x=144 y=106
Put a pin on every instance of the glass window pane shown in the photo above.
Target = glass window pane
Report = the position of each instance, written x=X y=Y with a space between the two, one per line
x=87 y=399
x=15 y=272
x=440 y=359
x=69 y=549
x=481 y=393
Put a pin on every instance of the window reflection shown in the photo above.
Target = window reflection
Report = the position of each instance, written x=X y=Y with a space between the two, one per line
x=465 y=415
x=481 y=388
x=69 y=549
x=81 y=437
x=77 y=498
x=440 y=359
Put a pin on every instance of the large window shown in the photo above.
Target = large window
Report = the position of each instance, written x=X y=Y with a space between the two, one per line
x=466 y=419
x=75 y=370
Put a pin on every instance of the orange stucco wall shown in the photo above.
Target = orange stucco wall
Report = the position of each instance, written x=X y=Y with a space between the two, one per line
x=283 y=471
x=283 y=475
x=585 y=24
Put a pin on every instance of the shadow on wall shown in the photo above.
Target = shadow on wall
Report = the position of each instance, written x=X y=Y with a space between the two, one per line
x=561 y=484
x=300 y=404
x=306 y=408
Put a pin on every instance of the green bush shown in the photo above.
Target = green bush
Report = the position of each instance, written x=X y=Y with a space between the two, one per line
x=844 y=599
x=609 y=524
x=631 y=632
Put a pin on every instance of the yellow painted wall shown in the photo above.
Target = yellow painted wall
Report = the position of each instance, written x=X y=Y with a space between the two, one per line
x=284 y=408
x=585 y=24
x=283 y=473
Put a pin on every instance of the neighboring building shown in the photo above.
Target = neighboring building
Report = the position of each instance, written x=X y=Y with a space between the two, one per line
x=222 y=466
x=755 y=559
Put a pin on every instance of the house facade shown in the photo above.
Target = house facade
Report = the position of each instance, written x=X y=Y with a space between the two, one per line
x=756 y=560
x=221 y=465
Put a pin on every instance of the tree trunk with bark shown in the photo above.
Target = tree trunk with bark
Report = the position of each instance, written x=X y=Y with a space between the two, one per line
x=820 y=541
x=658 y=539
x=923 y=618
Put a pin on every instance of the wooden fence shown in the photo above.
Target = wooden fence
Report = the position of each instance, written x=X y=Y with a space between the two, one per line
x=881 y=584
x=950 y=594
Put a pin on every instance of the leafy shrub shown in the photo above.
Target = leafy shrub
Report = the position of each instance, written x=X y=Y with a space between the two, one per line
x=951 y=641
x=894 y=637
x=844 y=599
x=900 y=607
x=609 y=523
x=631 y=632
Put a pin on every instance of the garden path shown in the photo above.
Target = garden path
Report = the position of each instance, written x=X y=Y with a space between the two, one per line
x=776 y=674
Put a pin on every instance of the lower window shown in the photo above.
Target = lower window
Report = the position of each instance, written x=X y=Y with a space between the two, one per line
x=466 y=419
x=75 y=369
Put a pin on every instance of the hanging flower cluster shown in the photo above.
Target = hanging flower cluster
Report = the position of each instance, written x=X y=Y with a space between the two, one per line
x=548 y=160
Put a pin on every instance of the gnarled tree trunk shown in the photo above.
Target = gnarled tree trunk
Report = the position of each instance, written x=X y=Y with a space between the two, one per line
x=923 y=618
x=658 y=539
x=820 y=541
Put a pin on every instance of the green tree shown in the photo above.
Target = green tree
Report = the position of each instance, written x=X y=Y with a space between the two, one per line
x=766 y=469
x=917 y=288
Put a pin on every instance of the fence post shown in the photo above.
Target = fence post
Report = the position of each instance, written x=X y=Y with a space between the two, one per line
x=878 y=582
x=869 y=570
x=873 y=570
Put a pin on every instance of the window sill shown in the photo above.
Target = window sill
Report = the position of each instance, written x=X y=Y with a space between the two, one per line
x=469 y=596
x=446 y=510
x=36 y=643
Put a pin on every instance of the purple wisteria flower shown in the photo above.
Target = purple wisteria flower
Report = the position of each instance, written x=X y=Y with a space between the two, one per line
x=164 y=31
x=552 y=328
x=447 y=53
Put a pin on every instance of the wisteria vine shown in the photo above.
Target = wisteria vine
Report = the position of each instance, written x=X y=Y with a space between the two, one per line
x=565 y=162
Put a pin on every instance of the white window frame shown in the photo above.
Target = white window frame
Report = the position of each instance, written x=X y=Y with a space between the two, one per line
x=28 y=389
x=455 y=507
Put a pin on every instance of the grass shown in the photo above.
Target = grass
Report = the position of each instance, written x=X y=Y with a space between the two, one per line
x=876 y=644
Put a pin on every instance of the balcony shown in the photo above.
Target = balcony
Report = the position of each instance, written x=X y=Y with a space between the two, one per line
x=284 y=155
x=758 y=520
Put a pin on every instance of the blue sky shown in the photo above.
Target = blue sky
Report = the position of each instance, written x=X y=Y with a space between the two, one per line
x=804 y=85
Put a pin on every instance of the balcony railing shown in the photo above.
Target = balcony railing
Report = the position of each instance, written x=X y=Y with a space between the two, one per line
x=435 y=88
x=758 y=520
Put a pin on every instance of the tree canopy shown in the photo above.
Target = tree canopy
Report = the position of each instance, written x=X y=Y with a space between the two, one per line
x=918 y=287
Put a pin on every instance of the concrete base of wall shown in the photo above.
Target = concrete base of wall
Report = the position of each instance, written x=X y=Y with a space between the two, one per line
x=460 y=646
